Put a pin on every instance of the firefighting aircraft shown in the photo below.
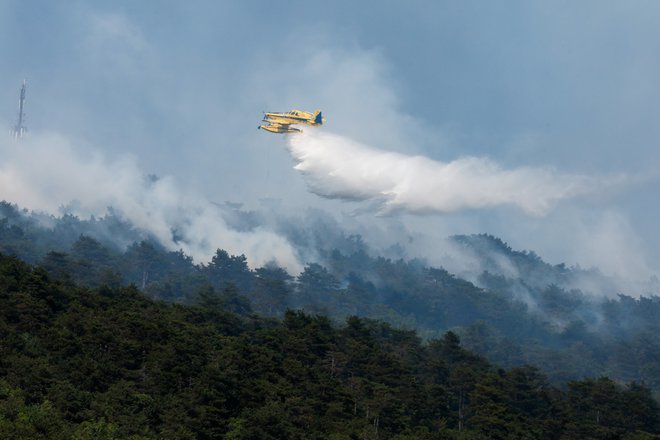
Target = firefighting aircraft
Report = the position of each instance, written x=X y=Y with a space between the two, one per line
x=281 y=122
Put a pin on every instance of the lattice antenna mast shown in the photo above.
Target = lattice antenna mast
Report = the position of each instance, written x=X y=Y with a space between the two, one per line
x=20 y=129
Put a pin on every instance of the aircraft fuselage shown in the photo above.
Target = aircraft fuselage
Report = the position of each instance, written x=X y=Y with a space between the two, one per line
x=281 y=122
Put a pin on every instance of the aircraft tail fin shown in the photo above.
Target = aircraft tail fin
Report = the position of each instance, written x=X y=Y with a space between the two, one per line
x=318 y=117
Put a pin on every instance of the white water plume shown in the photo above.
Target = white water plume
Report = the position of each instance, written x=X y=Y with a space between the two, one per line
x=338 y=167
x=46 y=172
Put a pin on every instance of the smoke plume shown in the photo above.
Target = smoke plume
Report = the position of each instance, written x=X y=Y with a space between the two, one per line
x=46 y=173
x=337 y=167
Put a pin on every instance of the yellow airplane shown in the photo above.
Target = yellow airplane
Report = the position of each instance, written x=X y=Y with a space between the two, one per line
x=281 y=122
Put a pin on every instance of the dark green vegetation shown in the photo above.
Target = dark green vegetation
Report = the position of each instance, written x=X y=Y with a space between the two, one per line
x=518 y=310
x=110 y=363
x=89 y=350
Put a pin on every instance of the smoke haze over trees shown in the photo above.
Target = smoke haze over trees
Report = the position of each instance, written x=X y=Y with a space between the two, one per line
x=515 y=309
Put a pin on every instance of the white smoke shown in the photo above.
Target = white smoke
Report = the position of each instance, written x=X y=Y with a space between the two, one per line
x=338 y=167
x=46 y=172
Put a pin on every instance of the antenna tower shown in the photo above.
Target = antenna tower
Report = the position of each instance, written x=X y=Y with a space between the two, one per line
x=19 y=129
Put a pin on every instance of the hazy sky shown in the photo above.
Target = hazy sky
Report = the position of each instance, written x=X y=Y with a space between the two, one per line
x=180 y=86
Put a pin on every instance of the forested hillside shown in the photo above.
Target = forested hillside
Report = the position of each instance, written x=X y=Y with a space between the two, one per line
x=517 y=310
x=111 y=363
